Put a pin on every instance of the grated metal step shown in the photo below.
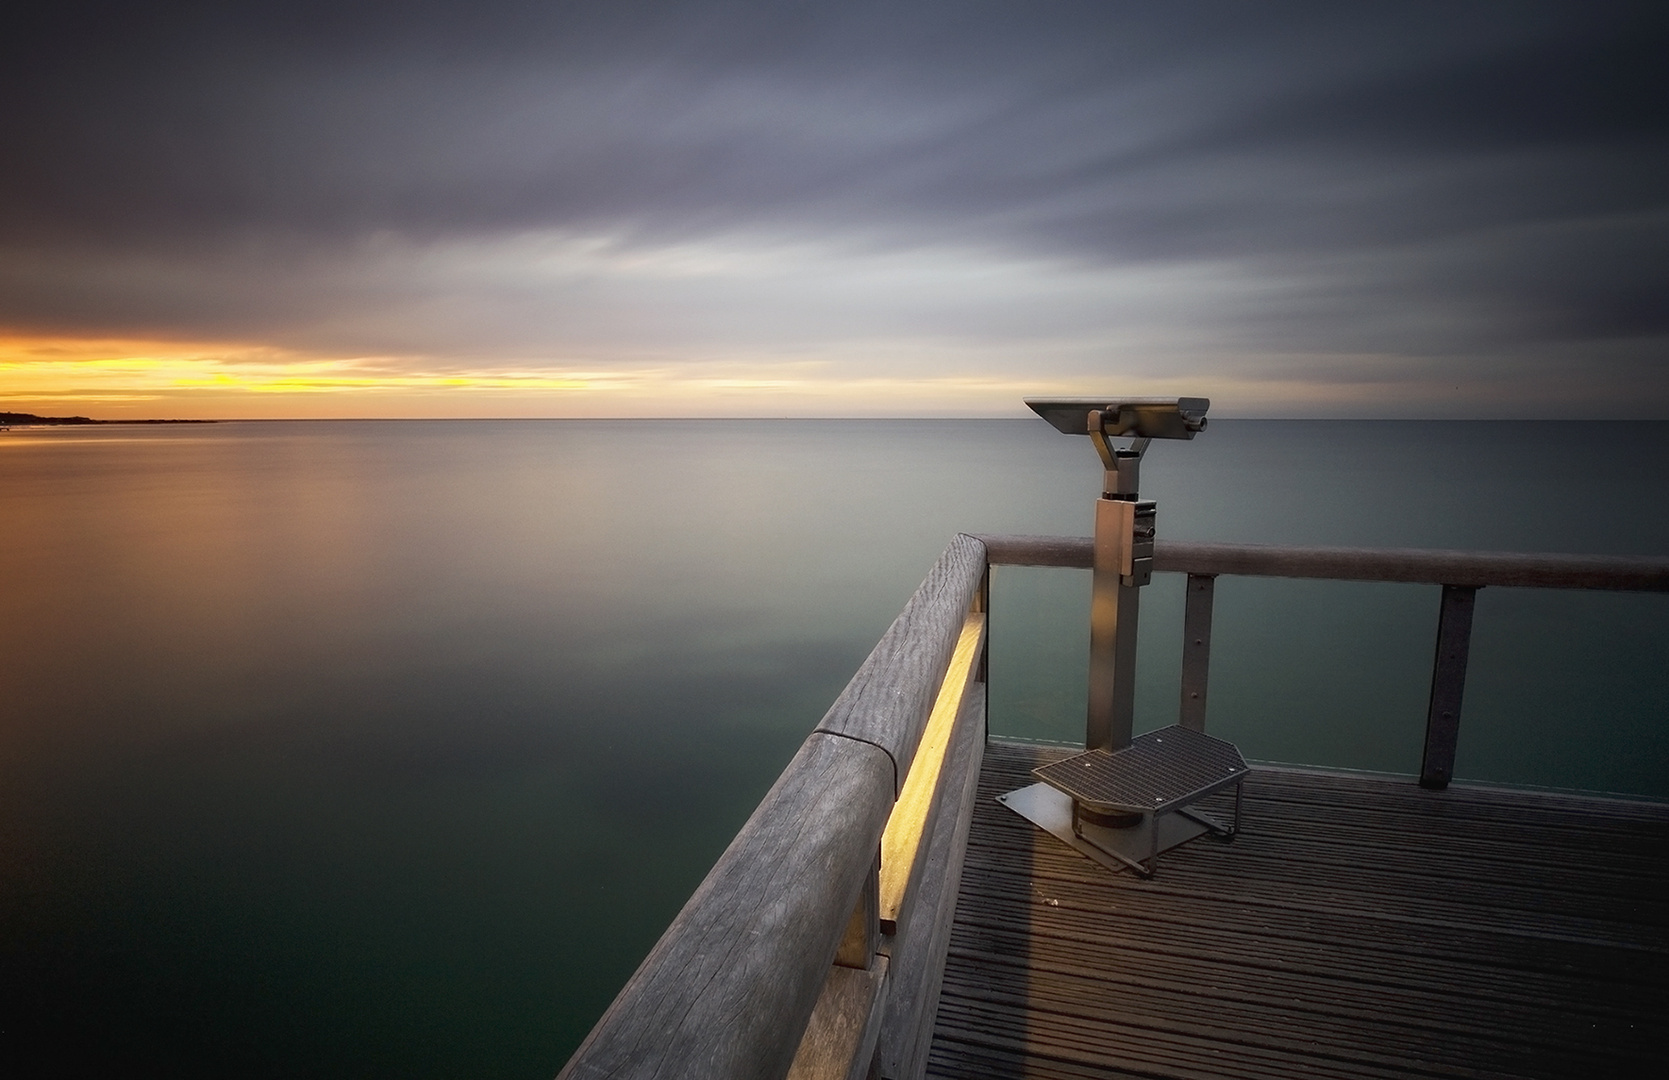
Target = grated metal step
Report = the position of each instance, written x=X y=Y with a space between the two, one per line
x=1161 y=770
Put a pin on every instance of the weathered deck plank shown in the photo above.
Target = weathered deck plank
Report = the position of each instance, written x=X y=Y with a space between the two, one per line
x=1358 y=928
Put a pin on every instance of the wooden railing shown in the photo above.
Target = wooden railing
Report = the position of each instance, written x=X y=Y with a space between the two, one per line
x=1461 y=573
x=816 y=945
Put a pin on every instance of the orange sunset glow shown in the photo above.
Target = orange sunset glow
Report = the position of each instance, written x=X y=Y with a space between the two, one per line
x=137 y=379
x=191 y=380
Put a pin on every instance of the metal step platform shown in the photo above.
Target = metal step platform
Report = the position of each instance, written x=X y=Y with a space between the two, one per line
x=1122 y=808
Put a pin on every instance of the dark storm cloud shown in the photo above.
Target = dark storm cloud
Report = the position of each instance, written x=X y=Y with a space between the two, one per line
x=507 y=117
x=1498 y=167
x=1100 y=124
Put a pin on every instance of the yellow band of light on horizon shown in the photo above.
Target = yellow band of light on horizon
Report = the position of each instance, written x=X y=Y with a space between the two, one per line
x=69 y=369
x=40 y=371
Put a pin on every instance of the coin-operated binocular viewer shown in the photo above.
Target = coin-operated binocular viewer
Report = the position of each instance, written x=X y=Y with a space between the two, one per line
x=1124 y=525
x=1123 y=801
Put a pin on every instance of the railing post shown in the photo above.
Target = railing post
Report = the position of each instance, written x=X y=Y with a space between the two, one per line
x=1448 y=684
x=1196 y=649
x=863 y=931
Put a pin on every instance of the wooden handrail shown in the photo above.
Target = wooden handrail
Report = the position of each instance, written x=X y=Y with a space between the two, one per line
x=1473 y=569
x=888 y=700
x=729 y=988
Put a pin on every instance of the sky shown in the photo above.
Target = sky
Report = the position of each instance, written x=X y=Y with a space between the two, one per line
x=507 y=208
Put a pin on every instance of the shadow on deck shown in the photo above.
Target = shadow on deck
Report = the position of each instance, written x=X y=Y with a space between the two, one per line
x=1359 y=927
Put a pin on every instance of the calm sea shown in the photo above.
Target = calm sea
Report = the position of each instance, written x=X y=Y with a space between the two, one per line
x=388 y=749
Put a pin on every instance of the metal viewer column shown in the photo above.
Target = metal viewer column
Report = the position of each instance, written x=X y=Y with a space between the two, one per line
x=1123 y=564
x=1123 y=541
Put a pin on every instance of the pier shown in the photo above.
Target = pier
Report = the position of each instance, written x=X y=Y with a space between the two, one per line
x=1358 y=927
x=882 y=915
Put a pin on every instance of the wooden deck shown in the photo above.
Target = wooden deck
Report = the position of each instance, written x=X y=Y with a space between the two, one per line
x=1358 y=927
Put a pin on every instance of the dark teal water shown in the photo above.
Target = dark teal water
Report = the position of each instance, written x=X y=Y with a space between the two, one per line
x=388 y=749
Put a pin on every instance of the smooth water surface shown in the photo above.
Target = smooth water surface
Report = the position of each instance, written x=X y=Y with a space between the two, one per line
x=388 y=748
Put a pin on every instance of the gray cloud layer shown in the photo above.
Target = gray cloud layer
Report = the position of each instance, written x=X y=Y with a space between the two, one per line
x=1439 y=180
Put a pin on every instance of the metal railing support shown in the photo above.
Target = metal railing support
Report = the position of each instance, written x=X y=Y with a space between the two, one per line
x=1448 y=685
x=1461 y=573
x=1196 y=649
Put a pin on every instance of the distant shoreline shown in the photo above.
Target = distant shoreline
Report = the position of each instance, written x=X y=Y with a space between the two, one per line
x=23 y=419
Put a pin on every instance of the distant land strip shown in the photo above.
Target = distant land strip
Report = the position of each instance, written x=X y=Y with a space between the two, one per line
x=20 y=419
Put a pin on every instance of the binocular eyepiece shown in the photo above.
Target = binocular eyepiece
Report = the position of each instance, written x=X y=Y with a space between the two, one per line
x=1141 y=418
